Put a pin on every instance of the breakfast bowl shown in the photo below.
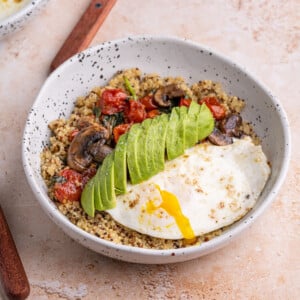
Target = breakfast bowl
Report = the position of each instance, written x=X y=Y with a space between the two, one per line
x=15 y=14
x=166 y=56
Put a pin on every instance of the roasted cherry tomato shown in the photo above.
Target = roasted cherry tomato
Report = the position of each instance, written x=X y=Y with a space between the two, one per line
x=185 y=102
x=112 y=101
x=147 y=101
x=119 y=130
x=135 y=112
x=215 y=107
x=70 y=187
x=153 y=113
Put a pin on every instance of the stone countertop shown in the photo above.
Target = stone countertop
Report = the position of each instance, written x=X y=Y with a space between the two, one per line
x=264 y=262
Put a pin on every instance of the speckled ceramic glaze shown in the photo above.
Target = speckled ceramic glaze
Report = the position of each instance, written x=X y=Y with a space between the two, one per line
x=167 y=56
x=17 y=20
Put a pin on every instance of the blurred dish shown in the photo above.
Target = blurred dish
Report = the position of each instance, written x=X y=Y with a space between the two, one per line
x=15 y=13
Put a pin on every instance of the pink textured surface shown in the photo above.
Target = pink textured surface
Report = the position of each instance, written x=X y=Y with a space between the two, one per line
x=263 y=263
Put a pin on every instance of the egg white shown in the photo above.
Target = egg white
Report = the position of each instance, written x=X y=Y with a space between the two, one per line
x=214 y=185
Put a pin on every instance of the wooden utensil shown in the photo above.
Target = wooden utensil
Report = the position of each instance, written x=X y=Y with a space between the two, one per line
x=84 y=31
x=12 y=273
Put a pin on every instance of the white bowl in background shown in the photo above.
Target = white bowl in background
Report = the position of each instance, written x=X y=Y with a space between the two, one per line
x=167 y=56
x=17 y=19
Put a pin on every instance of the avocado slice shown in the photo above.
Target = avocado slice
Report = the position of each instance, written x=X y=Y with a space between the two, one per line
x=120 y=165
x=174 y=142
x=110 y=201
x=193 y=112
x=132 y=149
x=97 y=194
x=182 y=125
x=87 y=198
x=107 y=188
x=189 y=125
x=150 y=147
x=205 y=122
x=160 y=129
x=194 y=109
x=143 y=158
x=102 y=188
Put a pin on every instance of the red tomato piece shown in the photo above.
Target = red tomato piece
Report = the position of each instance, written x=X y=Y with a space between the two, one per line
x=153 y=113
x=70 y=188
x=119 y=130
x=185 y=102
x=147 y=101
x=72 y=134
x=215 y=107
x=112 y=101
x=135 y=112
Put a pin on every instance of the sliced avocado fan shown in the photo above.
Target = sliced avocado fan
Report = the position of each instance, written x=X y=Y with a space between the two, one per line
x=143 y=150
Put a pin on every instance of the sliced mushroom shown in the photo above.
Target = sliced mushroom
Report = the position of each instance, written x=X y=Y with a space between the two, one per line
x=163 y=96
x=231 y=125
x=85 y=121
x=99 y=151
x=220 y=139
x=79 y=158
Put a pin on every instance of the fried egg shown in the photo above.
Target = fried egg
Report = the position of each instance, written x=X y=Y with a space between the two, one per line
x=205 y=189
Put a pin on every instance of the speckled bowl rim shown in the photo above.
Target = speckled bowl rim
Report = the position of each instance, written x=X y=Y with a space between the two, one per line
x=20 y=14
x=192 y=251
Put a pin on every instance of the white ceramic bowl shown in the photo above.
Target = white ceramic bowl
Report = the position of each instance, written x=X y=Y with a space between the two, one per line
x=19 y=18
x=165 y=56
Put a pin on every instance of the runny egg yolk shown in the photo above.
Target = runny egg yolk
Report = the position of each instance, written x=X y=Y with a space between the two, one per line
x=171 y=205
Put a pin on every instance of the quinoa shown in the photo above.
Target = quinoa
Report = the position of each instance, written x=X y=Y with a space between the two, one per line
x=54 y=156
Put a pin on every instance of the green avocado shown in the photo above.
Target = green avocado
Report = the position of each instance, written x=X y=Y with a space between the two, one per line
x=182 y=111
x=102 y=188
x=205 y=122
x=143 y=158
x=183 y=130
x=160 y=124
x=194 y=109
x=97 y=193
x=134 y=135
x=190 y=125
x=193 y=112
x=120 y=165
x=110 y=201
x=150 y=147
x=107 y=187
x=87 y=198
x=174 y=142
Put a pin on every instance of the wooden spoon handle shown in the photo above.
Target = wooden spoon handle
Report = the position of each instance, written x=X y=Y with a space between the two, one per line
x=84 y=31
x=12 y=272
